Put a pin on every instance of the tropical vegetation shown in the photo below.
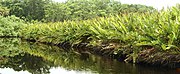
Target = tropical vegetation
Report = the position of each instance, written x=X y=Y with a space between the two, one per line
x=107 y=24
x=49 y=11
x=134 y=29
x=10 y=26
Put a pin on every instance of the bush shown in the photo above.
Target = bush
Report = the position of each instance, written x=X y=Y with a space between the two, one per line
x=10 y=26
x=158 y=29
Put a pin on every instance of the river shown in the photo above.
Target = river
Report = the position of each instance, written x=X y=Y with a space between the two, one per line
x=22 y=57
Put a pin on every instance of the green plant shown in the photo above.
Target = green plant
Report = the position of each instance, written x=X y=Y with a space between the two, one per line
x=133 y=30
x=10 y=26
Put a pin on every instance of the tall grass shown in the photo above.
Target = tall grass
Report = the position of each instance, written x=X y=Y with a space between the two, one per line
x=156 y=29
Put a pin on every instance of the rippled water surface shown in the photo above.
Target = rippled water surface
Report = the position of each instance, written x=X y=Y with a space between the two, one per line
x=21 y=57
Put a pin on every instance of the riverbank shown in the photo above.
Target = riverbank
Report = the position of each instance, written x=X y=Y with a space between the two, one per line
x=37 y=58
x=133 y=37
x=149 y=56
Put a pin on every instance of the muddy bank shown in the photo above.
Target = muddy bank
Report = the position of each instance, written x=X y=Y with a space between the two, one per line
x=148 y=56
x=159 y=59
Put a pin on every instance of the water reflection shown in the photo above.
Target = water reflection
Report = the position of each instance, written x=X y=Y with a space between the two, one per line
x=18 y=56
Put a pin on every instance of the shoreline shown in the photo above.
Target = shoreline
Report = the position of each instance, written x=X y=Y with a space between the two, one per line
x=149 y=56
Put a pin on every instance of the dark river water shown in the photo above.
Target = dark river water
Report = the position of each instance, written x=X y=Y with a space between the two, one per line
x=21 y=57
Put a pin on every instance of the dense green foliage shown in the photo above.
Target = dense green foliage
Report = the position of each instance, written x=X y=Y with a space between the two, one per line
x=26 y=9
x=4 y=11
x=93 y=22
x=10 y=26
x=47 y=10
x=88 y=9
x=158 y=29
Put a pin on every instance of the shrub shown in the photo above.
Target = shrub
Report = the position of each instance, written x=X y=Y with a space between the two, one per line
x=10 y=26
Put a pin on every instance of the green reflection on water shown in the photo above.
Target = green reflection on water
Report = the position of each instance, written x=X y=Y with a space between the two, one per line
x=12 y=56
x=38 y=58
x=71 y=60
